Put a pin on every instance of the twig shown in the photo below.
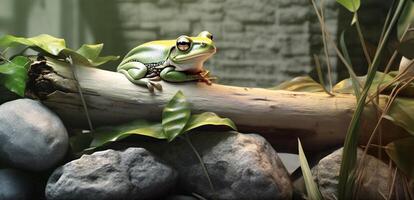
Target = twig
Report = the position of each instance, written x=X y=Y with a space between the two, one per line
x=85 y=107
x=203 y=166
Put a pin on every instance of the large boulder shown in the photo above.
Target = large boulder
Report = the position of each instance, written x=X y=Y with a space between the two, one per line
x=15 y=184
x=32 y=137
x=131 y=174
x=240 y=166
x=376 y=177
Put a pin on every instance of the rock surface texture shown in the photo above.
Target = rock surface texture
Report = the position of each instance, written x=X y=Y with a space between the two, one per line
x=240 y=166
x=32 y=137
x=14 y=185
x=131 y=174
x=376 y=181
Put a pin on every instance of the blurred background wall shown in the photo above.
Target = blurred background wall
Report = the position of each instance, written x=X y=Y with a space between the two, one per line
x=260 y=42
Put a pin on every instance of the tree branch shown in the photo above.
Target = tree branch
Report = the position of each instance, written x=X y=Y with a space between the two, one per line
x=319 y=120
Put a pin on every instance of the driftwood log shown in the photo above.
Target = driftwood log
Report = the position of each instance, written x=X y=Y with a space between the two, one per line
x=319 y=120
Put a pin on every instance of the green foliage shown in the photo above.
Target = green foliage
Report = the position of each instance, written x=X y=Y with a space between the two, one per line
x=402 y=114
x=311 y=187
x=14 y=74
x=176 y=120
x=87 y=54
x=351 y=5
x=347 y=176
x=400 y=151
x=175 y=116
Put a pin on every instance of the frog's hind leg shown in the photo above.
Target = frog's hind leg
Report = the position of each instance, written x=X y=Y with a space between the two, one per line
x=135 y=72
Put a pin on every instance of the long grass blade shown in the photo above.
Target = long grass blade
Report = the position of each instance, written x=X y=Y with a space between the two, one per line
x=311 y=187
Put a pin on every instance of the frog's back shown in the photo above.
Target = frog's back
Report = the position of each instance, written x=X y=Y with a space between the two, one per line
x=150 y=52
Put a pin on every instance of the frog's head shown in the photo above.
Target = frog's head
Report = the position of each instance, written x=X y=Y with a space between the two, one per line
x=190 y=53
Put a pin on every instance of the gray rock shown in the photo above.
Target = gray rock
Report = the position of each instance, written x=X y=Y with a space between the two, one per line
x=131 y=174
x=15 y=185
x=241 y=166
x=32 y=137
x=377 y=177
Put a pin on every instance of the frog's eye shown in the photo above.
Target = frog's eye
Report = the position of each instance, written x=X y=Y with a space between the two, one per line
x=183 y=43
x=206 y=34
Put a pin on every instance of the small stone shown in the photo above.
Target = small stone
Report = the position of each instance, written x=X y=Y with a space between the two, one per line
x=376 y=179
x=32 y=137
x=131 y=174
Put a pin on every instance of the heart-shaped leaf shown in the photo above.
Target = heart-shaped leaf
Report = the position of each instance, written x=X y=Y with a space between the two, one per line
x=208 y=118
x=175 y=116
x=14 y=74
x=400 y=151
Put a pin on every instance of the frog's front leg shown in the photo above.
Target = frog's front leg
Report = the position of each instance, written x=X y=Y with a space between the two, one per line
x=135 y=72
x=169 y=74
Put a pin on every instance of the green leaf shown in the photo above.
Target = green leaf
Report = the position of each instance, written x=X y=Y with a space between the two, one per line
x=207 y=118
x=351 y=5
x=87 y=54
x=45 y=42
x=105 y=135
x=14 y=74
x=401 y=113
x=406 y=19
x=346 y=86
x=311 y=187
x=175 y=116
x=300 y=84
x=400 y=151
x=91 y=53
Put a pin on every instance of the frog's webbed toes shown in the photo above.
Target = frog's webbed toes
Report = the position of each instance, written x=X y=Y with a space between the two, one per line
x=156 y=85
x=151 y=85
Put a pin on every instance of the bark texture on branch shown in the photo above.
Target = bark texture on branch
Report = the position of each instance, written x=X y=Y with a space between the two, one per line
x=320 y=121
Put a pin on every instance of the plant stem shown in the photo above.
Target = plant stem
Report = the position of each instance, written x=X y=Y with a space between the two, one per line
x=362 y=40
x=325 y=48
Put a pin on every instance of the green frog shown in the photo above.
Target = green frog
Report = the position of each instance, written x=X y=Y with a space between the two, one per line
x=177 y=60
